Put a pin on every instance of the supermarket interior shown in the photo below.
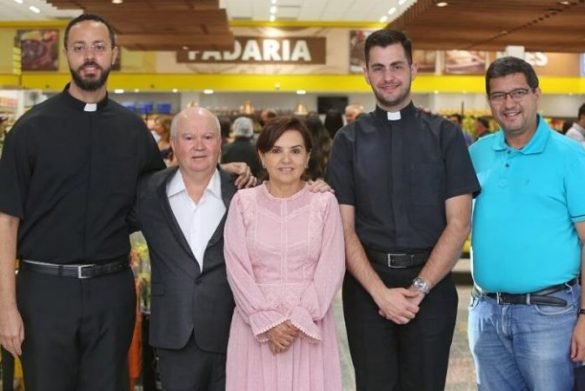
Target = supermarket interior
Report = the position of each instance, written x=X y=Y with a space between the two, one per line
x=294 y=57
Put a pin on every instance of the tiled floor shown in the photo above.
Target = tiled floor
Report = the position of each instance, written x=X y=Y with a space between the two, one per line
x=461 y=374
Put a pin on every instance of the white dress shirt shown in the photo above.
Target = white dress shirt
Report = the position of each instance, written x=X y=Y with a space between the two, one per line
x=577 y=133
x=198 y=221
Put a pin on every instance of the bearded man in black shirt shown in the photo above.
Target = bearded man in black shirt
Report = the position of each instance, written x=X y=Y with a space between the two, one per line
x=69 y=172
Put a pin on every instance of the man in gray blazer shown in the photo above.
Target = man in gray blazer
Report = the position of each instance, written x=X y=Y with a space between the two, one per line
x=181 y=212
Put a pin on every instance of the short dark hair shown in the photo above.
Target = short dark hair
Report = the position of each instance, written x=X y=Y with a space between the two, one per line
x=581 y=111
x=505 y=66
x=91 y=17
x=387 y=37
x=458 y=116
x=275 y=128
x=225 y=125
x=484 y=121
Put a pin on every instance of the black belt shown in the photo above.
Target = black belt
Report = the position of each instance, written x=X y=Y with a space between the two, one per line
x=75 y=271
x=397 y=261
x=540 y=297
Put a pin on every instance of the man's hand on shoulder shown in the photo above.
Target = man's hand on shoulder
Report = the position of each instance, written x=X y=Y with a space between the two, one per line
x=319 y=186
x=244 y=175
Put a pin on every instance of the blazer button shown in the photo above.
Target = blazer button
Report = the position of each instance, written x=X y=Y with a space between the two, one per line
x=197 y=282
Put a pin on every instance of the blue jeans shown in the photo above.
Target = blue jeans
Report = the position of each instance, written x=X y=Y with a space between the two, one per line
x=523 y=347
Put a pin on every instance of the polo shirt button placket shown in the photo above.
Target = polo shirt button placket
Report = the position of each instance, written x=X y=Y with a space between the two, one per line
x=504 y=174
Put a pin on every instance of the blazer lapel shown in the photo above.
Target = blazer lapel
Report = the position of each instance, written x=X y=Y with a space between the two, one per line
x=227 y=192
x=171 y=219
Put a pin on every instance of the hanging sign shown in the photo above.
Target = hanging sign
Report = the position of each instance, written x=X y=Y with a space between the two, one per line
x=260 y=50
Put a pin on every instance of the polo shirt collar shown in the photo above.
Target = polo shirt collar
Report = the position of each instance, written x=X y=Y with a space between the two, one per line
x=80 y=105
x=535 y=145
x=384 y=115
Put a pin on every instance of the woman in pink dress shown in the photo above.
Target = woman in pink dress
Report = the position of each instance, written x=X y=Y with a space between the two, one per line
x=285 y=260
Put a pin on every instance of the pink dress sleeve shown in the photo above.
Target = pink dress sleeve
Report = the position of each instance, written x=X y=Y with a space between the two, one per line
x=317 y=297
x=250 y=301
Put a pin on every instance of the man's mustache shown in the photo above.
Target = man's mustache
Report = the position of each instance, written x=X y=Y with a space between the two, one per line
x=90 y=63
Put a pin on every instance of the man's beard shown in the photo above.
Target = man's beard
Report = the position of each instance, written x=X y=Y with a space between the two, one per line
x=90 y=85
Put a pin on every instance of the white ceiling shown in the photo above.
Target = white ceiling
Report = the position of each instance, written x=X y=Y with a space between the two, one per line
x=255 y=10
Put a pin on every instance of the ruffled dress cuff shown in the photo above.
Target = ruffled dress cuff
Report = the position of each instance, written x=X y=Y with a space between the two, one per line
x=302 y=319
x=261 y=322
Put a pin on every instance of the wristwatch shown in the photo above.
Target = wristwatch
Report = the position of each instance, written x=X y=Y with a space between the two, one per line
x=581 y=311
x=421 y=285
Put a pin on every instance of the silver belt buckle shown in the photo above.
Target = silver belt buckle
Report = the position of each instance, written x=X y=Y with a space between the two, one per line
x=498 y=297
x=80 y=271
x=391 y=265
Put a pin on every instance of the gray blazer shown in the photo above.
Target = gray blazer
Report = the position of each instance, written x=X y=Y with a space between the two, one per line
x=184 y=299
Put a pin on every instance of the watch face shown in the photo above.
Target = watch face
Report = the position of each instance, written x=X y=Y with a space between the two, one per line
x=421 y=285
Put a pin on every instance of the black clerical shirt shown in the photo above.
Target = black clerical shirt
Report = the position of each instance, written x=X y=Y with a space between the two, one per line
x=69 y=171
x=397 y=173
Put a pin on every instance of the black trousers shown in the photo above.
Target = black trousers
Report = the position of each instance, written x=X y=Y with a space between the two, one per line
x=191 y=369
x=391 y=357
x=77 y=332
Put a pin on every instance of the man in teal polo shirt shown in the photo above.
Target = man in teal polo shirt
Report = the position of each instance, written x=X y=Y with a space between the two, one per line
x=527 y=236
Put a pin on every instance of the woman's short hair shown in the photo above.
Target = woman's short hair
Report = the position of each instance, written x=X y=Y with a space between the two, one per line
x=276 y=128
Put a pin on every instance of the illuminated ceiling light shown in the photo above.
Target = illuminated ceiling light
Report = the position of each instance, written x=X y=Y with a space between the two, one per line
x=392 y=10
x=273 y=1
x=118 y=91
x=34 y=9
x=137 y=90
x=117 y=1
x=301 y=92
x=565 y=3
x=208 y=91
x=175 y=90
x=400 y=2
x=272 y=18
x=185 y=47
x=18 y=1
x=273 y=9
x=441 y=4
x=384 y=19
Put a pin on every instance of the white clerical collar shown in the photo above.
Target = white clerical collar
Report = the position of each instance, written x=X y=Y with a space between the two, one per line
x=393 y=115
x=90 y=107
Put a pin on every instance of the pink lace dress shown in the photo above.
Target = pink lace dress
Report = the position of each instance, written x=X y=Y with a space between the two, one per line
x=285 y=261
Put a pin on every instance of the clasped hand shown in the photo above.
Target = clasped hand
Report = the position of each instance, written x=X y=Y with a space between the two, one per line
x=400 y=305
x=282 y=336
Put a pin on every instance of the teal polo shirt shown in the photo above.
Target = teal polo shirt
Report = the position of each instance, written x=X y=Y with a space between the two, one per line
x=523 y=229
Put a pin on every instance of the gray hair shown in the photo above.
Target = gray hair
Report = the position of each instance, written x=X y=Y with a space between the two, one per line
x=243 y=127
